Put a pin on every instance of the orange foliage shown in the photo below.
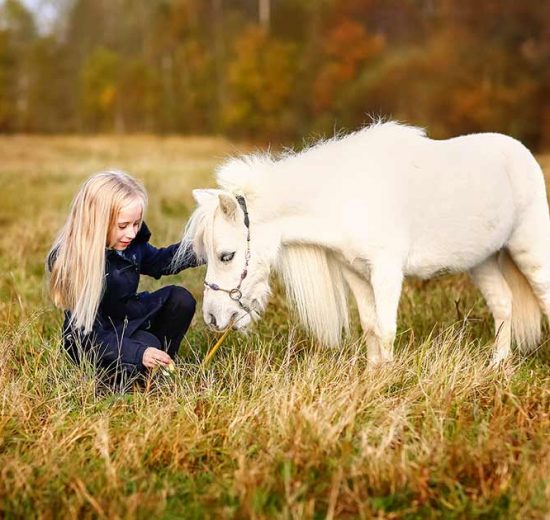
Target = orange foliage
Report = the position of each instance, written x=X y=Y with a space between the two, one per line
x=346 y=49
x=204 y=66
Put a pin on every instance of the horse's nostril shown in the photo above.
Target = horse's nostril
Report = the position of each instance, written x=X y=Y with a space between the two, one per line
x=234 y=317
x=213 y=320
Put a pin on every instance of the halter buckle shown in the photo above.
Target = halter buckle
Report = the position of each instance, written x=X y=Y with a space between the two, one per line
x=235 y=294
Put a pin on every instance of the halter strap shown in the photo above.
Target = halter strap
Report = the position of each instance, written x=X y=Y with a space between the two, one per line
x=236 y=294
x=242 y=204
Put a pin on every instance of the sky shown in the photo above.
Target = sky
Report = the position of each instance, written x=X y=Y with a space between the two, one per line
x=45 y=12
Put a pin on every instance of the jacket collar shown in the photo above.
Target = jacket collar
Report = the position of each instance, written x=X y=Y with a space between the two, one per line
x=143 y=235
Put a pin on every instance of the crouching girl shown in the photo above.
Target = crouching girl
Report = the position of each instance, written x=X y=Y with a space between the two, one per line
x=95 y=265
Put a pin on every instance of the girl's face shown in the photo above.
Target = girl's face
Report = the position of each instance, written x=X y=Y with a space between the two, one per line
x=126 y=226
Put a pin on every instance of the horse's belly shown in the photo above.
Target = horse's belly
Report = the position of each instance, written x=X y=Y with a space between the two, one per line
x=457 y=250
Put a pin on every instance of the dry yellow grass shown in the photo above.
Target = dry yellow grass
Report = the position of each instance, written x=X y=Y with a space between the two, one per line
x=276 y=426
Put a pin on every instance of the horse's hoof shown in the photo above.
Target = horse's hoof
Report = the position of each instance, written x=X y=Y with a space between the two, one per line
x=379 y=362
x=498 y=360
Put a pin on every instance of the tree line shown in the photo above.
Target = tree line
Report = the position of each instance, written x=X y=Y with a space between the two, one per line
x=277 y=69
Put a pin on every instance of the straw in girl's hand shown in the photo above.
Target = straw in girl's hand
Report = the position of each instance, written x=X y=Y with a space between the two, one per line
x=169 y=370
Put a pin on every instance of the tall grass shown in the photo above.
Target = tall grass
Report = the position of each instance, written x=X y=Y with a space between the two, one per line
x=276 y=426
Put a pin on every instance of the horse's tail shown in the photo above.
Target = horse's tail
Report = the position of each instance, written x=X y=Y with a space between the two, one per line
x=526 y=312
x=315 y=284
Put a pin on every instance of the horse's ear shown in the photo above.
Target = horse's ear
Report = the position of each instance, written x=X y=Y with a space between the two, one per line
x=228 y=205
x=202 y=196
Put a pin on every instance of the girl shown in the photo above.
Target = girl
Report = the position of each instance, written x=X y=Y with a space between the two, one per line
x=95 y=264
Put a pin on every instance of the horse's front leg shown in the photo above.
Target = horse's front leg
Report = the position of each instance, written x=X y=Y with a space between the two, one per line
x=377 y=300
x=364 y=296
x=386 y=279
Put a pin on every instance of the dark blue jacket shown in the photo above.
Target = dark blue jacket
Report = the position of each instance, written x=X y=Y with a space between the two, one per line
x=122 y=311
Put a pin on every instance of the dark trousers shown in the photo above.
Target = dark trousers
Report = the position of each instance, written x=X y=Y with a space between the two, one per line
x=164 y=330
x=171 y=322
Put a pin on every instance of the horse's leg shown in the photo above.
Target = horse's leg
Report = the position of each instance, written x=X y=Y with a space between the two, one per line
x=491 y=282
x=386 y=278
x=362 y=292
x=528 y=269
x=529 y=247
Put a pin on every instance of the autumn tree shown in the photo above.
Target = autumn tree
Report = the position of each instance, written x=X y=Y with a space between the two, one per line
x=347 y=50
x=260 y=79
x=279 y=69
x=17 y=33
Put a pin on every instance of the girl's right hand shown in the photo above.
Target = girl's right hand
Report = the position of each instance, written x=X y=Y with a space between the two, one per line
x=153 y=357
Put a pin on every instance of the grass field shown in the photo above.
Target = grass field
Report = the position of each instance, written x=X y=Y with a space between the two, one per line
x=276 y=426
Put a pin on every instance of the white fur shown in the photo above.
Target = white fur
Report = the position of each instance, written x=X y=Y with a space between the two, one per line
x=322 y=282
x=372 y=207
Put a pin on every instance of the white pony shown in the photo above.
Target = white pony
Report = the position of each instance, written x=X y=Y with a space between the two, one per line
x=365 y=210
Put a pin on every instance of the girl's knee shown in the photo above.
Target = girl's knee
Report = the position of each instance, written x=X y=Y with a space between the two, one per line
x=182 y=301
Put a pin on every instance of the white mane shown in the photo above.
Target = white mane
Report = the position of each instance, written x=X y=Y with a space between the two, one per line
x=244 y=175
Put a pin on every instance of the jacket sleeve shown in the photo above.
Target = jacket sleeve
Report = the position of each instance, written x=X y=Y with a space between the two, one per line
x=159 y=262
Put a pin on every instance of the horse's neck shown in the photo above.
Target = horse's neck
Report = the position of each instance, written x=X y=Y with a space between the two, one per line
x=285 y=217
x=308 y=229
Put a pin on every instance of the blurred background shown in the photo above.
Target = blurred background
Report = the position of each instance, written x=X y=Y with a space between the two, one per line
x=275 y=70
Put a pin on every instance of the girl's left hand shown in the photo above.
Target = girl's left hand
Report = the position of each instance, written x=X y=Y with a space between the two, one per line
x=153 y=357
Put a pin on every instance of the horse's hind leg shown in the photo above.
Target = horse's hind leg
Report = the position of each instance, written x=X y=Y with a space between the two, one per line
x=362 y=292
x=491 y=282
x=528 y=269
x=529 y=248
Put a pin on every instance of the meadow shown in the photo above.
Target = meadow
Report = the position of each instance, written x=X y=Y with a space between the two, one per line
x=276 y=426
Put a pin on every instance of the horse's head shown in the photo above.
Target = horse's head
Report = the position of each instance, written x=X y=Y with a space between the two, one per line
x=237 y=277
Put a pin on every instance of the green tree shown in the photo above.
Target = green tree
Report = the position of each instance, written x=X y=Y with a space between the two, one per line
x=49 y=107
x=101 y=96
x=260 y=80
x=138 y=93
x=8 y=93
x=17 y=34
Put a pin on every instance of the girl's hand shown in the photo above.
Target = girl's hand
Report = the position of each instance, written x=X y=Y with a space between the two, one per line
x=153 y=357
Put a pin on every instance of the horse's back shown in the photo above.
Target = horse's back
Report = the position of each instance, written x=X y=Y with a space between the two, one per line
x=466 y=196
x=490 y=165
x=446 y=204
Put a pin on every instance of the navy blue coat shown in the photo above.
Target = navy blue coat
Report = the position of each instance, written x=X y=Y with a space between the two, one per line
x=123 y=311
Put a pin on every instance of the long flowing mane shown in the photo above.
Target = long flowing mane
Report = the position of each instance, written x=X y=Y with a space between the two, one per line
x=197 y=236
x=315 y=285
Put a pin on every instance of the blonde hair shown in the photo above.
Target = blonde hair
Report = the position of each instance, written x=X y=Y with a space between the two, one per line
x=77 y=258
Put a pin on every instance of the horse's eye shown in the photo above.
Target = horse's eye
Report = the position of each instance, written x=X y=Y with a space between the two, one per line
x=227 y=257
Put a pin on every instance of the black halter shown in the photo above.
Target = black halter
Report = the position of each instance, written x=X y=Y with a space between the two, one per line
x=236 y=293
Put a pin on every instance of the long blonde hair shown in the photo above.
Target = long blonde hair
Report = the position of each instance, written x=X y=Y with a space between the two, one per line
x=77 y=258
